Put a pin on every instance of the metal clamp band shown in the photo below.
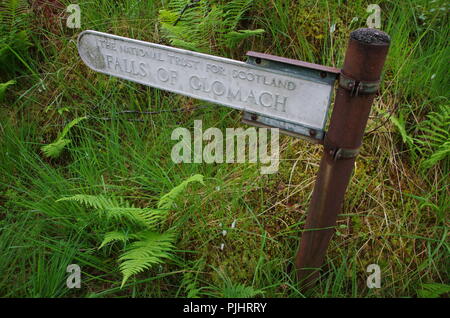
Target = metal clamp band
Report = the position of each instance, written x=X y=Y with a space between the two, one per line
x=340 y=153
x=358 y=87
x=344 y=153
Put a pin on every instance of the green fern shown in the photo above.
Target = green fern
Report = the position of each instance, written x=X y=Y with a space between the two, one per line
x=233 y=38
x=400 y=123
x=54 y=149
x=115 y=236
x=118 y=209
x=190 y=278
x=230 y=289
x=14 y=34
x=4 y=86
x=205 y=25
x=148 y=247
x=179 y=35
x=189 y=282
x=167 y=201
x=98 y=202
x=233 y=12
x=151 y=248
x=148 y=217
x=240 y=291
x=433 y=290
x=435 y=138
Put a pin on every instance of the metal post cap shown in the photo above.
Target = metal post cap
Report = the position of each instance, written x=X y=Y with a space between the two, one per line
x=371 y=36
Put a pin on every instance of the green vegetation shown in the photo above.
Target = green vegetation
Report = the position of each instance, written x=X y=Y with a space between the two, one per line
x=54 y=149
x=151 y=247
x=85 y=158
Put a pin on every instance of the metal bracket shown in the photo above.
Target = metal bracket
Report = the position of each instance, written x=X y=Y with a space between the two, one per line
x=358 y=87
x=312 y=72
x=294 y=130
x=344 y=153
x=340 y=153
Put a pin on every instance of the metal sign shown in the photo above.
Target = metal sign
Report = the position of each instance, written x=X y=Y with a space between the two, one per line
x=294 y=96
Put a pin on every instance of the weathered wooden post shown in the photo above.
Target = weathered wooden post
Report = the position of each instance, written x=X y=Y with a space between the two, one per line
x=358 y=83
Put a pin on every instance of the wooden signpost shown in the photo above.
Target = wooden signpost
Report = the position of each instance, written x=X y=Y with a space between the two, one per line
x=272 y=91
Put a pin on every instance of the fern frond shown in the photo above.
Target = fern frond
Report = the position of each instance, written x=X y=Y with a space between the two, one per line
x=231 y=39
x=114 y=237
x=240 y=291
x=230 y=289
x=14 y=32
x=13 y=17
x=70 y=125
x=190 y=279
x=167 y=200
x=179 y=35
x=401 y=126
x=205 y=25
x=190 y=284
x=95 y=201
x=433 y=290
x=151 y=249
x=442 y=152
x=54 y=149
x=119 y=209
x=146 y=217
x=178 y=5
x=234 y=10
x=435 y=137
x=4 y=86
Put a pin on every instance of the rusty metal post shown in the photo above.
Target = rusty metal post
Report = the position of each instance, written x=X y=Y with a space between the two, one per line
x=358 y=83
